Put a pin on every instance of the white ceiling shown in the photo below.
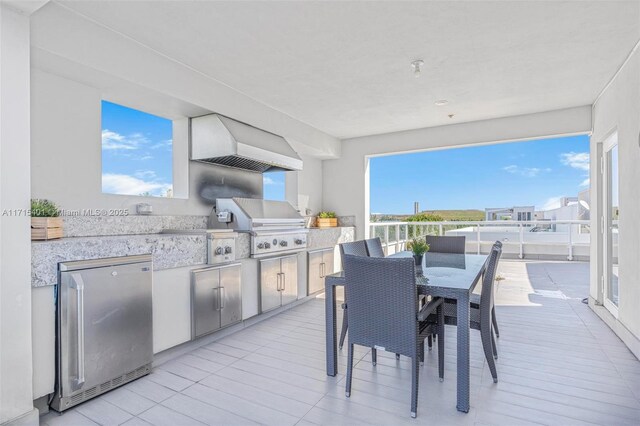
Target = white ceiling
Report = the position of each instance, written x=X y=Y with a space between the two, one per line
x=344 y=67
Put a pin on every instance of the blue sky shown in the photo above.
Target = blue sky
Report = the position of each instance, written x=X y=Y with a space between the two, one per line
x=137 y=152
x=273 y=185
x=501 y=175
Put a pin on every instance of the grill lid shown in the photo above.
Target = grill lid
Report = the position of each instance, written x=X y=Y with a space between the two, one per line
x=258 y=209
x=251 y=214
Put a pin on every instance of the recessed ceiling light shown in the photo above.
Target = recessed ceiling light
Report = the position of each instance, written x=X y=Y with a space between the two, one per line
x=417 y=67
x=441 y=102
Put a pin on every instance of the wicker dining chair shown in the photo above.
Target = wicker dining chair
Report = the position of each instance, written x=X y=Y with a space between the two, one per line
x=387 y=317
x=357 y=248
x=374 y=247
x=481 y=311
x=455 y=244
x=446 y=244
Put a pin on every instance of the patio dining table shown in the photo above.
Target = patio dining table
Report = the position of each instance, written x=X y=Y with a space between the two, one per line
x=453 y=276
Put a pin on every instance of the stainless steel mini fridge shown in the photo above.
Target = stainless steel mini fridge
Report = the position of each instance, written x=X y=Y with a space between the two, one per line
x=104 y=326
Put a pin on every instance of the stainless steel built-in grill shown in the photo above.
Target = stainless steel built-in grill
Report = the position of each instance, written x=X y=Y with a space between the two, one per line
x=276 y=227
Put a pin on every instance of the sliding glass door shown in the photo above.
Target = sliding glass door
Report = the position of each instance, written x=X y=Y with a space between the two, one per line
x=611 y=214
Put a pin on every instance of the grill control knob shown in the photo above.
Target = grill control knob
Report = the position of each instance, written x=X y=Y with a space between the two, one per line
x=274 y=242
x=261 y=245
x=283 y=243
x=267 y=245
x=227 y=250
x=298 y=241
x=218 y=250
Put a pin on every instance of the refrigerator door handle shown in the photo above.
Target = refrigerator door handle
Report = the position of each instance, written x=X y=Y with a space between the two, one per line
x=78 y=284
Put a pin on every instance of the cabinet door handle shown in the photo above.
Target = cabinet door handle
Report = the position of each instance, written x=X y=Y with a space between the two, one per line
x=78 y=285
x=278 y=282
x=321 y=270
x=216 y=302
x=283 y=281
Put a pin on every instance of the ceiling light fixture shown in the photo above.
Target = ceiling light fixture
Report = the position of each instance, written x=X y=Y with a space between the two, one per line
x=441 y=102
x=417 y=67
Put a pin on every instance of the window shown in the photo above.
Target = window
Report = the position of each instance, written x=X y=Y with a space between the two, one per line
x=273 y=186
x=137 y=152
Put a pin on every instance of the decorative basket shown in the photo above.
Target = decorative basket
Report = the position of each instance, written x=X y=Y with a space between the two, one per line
x=46 y=228
x=327 y=222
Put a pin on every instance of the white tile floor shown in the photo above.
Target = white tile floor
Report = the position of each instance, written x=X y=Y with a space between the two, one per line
x=558 y=364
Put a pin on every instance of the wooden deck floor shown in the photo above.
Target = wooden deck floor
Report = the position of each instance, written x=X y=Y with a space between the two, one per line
x=558 y=364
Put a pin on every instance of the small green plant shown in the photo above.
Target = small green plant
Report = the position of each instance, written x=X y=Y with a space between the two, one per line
x=44 y=208
x=327 y=215
x=418 y=246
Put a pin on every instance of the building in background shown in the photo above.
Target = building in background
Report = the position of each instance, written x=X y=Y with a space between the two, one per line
x=510 y=213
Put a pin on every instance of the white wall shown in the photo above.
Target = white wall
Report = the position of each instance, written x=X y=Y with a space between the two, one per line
x=306 y=185
x=345 y=180
x=66 y=150
x=618 y=108
x=15 y=240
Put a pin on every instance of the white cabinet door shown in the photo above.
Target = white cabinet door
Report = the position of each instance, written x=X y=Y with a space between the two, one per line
x=316 y=282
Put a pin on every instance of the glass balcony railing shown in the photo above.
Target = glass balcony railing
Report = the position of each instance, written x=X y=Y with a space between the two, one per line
x=532 y=239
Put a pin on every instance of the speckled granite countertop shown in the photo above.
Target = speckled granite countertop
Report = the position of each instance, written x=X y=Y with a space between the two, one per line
x=328 y=237
x=168 y=250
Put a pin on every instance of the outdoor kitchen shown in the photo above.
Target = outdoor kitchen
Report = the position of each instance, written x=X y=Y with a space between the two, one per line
x=206 y=212
x=248 y=257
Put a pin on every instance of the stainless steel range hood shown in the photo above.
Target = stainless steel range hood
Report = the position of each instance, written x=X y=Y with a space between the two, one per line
x=220 y=140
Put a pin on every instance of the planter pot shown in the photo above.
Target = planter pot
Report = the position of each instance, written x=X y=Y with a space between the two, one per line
x=327 y=222
x=46 y=228
x=418 y=259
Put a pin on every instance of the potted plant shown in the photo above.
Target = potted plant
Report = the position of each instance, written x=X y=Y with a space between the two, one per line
x=46 y=223
x=327 y=220
x=419 y=247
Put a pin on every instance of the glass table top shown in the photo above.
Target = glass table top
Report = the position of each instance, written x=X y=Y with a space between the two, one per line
x=443 y=270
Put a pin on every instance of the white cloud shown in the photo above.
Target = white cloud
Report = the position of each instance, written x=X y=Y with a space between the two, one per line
x=168 y=144
x=114 y=140
x=585 y=182
x=142 y=174
x=268 y=181
x=577 y=160
x=130 y=185
x=551 y=203
x=525 y=171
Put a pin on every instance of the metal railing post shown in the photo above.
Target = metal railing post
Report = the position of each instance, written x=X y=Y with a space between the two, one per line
x=521 y=256
x=478 y=236
x=397 y=238
x=406 y=235
x=386 y=240
x=570 y=242
x=440 y=229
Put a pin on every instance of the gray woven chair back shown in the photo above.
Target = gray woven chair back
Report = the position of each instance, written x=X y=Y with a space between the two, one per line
x=446 y=244
x=356 y=248
x=374 y=247
x=382 y=315
x=488 y=281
